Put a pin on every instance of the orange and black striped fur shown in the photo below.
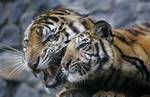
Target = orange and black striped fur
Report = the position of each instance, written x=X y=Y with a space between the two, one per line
x=47 y=37
x=113 y=58
x=124 y=50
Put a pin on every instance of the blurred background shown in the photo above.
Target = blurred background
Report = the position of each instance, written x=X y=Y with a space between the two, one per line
x=15 y=15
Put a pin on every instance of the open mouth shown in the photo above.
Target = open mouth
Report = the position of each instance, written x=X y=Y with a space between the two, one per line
x=50 y=79
x=52 y=73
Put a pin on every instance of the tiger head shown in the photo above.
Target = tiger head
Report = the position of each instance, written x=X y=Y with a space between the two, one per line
x=88 y=53
x=47 y=36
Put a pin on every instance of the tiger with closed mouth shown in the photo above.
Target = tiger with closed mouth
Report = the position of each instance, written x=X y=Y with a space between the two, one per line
x=108 y=58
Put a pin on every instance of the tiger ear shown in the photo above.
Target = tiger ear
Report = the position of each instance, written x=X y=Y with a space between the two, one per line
x=103 y=29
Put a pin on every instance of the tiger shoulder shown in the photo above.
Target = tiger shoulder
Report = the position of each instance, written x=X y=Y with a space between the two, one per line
x=134 y=42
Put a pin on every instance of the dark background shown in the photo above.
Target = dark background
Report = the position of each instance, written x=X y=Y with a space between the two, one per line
x=15 y=15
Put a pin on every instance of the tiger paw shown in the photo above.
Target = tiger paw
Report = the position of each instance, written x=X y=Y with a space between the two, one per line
x=73 y=93
x=108 y=94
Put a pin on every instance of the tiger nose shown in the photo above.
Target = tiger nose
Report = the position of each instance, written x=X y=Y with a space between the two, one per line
x=33 y=64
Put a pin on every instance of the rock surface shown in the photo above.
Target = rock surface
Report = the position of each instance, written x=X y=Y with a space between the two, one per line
x=15 y=15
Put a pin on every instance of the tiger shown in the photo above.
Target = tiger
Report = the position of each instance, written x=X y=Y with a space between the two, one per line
x=47 y=36
x=45 y=41
x=108 y=58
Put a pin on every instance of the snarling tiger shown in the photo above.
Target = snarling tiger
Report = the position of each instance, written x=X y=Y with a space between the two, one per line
x=48 y=35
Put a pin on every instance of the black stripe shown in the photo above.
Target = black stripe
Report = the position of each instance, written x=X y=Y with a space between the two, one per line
x=47 y=26
x=123 y=39
x=59 y=13
x=73 y=28
x=89 y=47
x=139 y=64
x=44 y=19
x=146 y=24
x=36 y=28
x=48 y=22
x=103 y=47
x=106 y=57
x=133 y=60
x=135 y=32
x=97 y=49
x=147 y=30
x=118 y=49
x=64 y=11
x=61 y=26
x=54 y=18
x=67 y=35
x=64 y=19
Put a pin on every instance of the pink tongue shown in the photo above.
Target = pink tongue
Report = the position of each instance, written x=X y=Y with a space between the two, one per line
x=51 y=82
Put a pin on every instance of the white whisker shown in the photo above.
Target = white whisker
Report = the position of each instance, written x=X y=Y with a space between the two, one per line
x=12 y=61
x=19 y=71
x=14 y=71
x=9 y=66
x=15 y=74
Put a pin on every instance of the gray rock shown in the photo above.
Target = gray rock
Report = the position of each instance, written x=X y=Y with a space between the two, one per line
x=16 y=9
x=2 y=17
x=123 y=16
x=144 y=17
x=89 y=6
x=6 y=1
x=53 y=3
x=11 y=87
x=39 y=5
x=101 y=5
x=10 y=35
x=128 y=3
x=2 y=88
x=26 y=91
x=26 y=19
x=143 y=7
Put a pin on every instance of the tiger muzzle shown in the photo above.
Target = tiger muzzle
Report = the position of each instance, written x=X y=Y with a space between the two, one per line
x=33 y=64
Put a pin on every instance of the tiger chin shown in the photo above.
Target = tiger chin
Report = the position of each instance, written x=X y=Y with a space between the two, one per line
x=109 y=59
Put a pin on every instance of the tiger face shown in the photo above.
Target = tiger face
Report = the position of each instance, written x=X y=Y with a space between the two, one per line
x=48 y=35
x=87 y=53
